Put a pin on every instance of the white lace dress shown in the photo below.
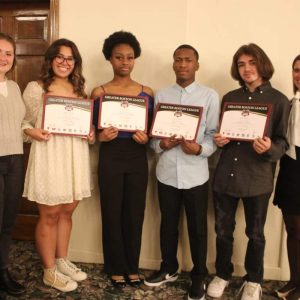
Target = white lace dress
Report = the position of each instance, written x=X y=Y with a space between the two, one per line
x=58 y=170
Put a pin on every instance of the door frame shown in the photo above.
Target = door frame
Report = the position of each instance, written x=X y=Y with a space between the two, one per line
x=54 y=20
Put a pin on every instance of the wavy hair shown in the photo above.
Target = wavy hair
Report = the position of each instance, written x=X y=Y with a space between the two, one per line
x=9 y=39
x=75 y=78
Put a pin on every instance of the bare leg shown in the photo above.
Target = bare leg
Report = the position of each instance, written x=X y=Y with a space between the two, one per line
x=64 y=229
x=46 y=233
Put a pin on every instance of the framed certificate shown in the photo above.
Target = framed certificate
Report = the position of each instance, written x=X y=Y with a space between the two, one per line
x=244 y=121
x=127 y=113
x=67 y=116
x=174 y=119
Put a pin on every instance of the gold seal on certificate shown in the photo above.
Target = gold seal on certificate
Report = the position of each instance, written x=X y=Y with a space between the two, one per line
x=67 y=116
x=244 y=121
x=127 y=113
x=173 y=119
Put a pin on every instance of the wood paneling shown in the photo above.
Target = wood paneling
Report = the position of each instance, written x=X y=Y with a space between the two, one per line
x=33 y=25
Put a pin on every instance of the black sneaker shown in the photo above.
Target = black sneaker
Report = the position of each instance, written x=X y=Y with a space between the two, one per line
x=197 y=290
x=160 y=277
x=286 y=289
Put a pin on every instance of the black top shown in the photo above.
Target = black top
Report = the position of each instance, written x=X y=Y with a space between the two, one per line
x=241 y=172
x=288 y=184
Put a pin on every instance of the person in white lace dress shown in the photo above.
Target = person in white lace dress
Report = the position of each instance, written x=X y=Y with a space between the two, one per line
x=58 y=173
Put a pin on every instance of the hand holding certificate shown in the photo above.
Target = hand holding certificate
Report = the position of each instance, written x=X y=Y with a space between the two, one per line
x=67 y=116
x=244 y=121
x=127 y=113
x=176 y=120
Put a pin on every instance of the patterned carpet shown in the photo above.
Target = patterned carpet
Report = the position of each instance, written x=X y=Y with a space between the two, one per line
x=28 y=270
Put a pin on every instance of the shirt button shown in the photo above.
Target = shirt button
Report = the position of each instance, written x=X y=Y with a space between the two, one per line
x=235 y=159
x=238 y=143
x=261 y=92
x=231 y=174
x=250 y=98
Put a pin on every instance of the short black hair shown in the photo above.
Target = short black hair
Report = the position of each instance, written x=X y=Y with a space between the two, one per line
x=186 y=46
x=263 y=63
x=121 y=37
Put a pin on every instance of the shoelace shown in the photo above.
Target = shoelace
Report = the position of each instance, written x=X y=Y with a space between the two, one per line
x=72 y=266
x=64 y=279
x=250 y=288
x=218 y=281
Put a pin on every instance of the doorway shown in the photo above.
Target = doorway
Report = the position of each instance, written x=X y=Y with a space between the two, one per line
x=34 y=25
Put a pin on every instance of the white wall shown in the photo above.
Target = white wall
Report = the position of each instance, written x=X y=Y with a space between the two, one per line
x=216 y=28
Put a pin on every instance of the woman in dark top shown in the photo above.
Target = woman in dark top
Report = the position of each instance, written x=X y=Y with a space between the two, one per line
x=123 y=168
x=288 y=189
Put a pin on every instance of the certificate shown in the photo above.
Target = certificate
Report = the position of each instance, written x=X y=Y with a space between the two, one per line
x=180 y=120
x=67 y=116
x=127 y=113
x=244 y=121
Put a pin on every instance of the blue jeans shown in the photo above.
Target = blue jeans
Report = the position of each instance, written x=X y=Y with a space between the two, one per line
x=255 y=209
x=11 y=187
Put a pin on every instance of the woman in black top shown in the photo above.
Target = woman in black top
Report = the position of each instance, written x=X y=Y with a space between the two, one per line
x=288 y=189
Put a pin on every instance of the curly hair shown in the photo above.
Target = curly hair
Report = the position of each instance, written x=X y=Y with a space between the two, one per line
x=9 y=39
x=75 y=78
x=297 y=58
x=264 y=66
x=121 y=37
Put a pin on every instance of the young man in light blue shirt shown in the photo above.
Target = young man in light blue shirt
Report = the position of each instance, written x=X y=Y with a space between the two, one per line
x=182 y=173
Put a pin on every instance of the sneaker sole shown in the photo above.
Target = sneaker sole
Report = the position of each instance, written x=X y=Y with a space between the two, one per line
x=161 y=282
x=60 y=289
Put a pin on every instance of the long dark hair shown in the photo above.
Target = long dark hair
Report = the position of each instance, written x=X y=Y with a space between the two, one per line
x=293 y=65
x=8 y=38
x=75 y=78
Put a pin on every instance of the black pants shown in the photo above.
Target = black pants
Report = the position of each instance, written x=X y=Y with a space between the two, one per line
x=255 y=209
x=123 y=178
x=195 y=203
x=292 y=225
x=11 y=187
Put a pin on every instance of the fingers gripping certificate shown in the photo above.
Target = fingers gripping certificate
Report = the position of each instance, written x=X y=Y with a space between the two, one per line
x=67 y=116
x=243 y=121
x=180 y=120
x=127 y=113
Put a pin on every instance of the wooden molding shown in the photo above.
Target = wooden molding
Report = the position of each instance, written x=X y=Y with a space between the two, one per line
x=54 y=20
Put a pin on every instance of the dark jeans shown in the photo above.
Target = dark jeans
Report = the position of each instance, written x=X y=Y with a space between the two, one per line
x=255 y=209
x=195 y=203
x=11 y=187
x=292 y=225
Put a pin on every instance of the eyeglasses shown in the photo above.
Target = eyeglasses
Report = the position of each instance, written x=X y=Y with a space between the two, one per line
x=61 y=59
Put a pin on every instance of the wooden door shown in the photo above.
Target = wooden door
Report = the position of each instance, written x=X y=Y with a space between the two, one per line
x=33 y=24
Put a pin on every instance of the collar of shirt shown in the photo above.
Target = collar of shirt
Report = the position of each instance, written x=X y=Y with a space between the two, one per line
x=188 y=89
x=260 y=89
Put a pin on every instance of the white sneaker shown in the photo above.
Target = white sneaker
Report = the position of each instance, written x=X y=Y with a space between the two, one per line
x=252 y=291
x=53 y=278
x=68 y=268
x=216 y=287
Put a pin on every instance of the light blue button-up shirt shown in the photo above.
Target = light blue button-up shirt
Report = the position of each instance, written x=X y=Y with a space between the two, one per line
x=174 y=167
